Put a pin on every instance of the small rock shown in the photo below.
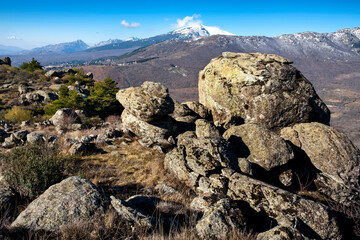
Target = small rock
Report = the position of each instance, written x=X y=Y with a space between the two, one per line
x=35 y=137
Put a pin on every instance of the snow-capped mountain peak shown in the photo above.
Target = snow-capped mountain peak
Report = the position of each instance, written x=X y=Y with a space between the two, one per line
x=132 y=39
x=199 y=30
x=110 y=41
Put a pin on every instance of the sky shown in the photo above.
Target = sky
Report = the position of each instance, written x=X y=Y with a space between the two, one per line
x=29 y=24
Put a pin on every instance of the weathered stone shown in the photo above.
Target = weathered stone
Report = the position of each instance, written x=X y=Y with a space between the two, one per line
x=130 y=212
x=214 y=184
x=38 y=96
x=10 y=142
x=160 y=129
x=23 y=89
x=332 y=153
x=219 y=221
x=83 y=148
x=64 y=117
x=258 y=88
x=89 y=75
x=148 y=103
x=206 y=129
x=284 y=206
x=34 y=137
x=200 y=204
x=281 y=233
x=199 y=157
x=54 y=73
x=266 y=148
x=286 y=177
x=71 y=201
x=198 y=108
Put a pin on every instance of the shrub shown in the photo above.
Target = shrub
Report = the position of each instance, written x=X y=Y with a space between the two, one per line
x=32 y=168
x=102 y=100
x=31 y=66
x=67 y=99
x=18 y=114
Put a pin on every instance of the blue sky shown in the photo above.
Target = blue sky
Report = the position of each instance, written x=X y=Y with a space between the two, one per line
x=29 y=24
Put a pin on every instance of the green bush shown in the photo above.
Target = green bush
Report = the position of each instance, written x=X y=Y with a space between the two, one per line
x=31 y=66
x=102 y=100
x=32 y=168
x=67 y=99
x=18 y=114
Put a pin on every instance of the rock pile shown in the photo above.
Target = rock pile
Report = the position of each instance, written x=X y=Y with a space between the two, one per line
x=276 y=144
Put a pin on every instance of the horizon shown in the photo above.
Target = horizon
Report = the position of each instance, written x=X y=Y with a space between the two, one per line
x=35 y=24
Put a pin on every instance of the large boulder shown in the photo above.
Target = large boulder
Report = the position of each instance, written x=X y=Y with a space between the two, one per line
x=64 y=116
x=331 y=152
x=265 y=147
x=71 y=201
x=149 y=102
x=258 y=88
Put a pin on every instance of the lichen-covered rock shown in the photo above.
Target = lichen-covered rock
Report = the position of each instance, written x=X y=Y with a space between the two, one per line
x=197 y=162
x=198 y=108
x=64 y=117
x=160 y=129
x=258 y=88
x=281 y=233
x=132 y=214
x=34 y=137
x=332 y=153
x=284 y=206
x=54 y=73
x=206 y=129
x=23 y=89
x=71 y=201
x=220 y=220
x=38 y=96
x=183 y=112
x=83 y=148
x=266 y=148
x=148 y=103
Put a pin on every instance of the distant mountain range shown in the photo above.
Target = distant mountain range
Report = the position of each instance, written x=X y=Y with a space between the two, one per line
x=9 y=50
x=68 y=47
x=78 y=51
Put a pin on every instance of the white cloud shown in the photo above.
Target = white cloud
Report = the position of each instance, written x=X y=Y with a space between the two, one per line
x=125 y=24
x=188 y=21
x=13 y=38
